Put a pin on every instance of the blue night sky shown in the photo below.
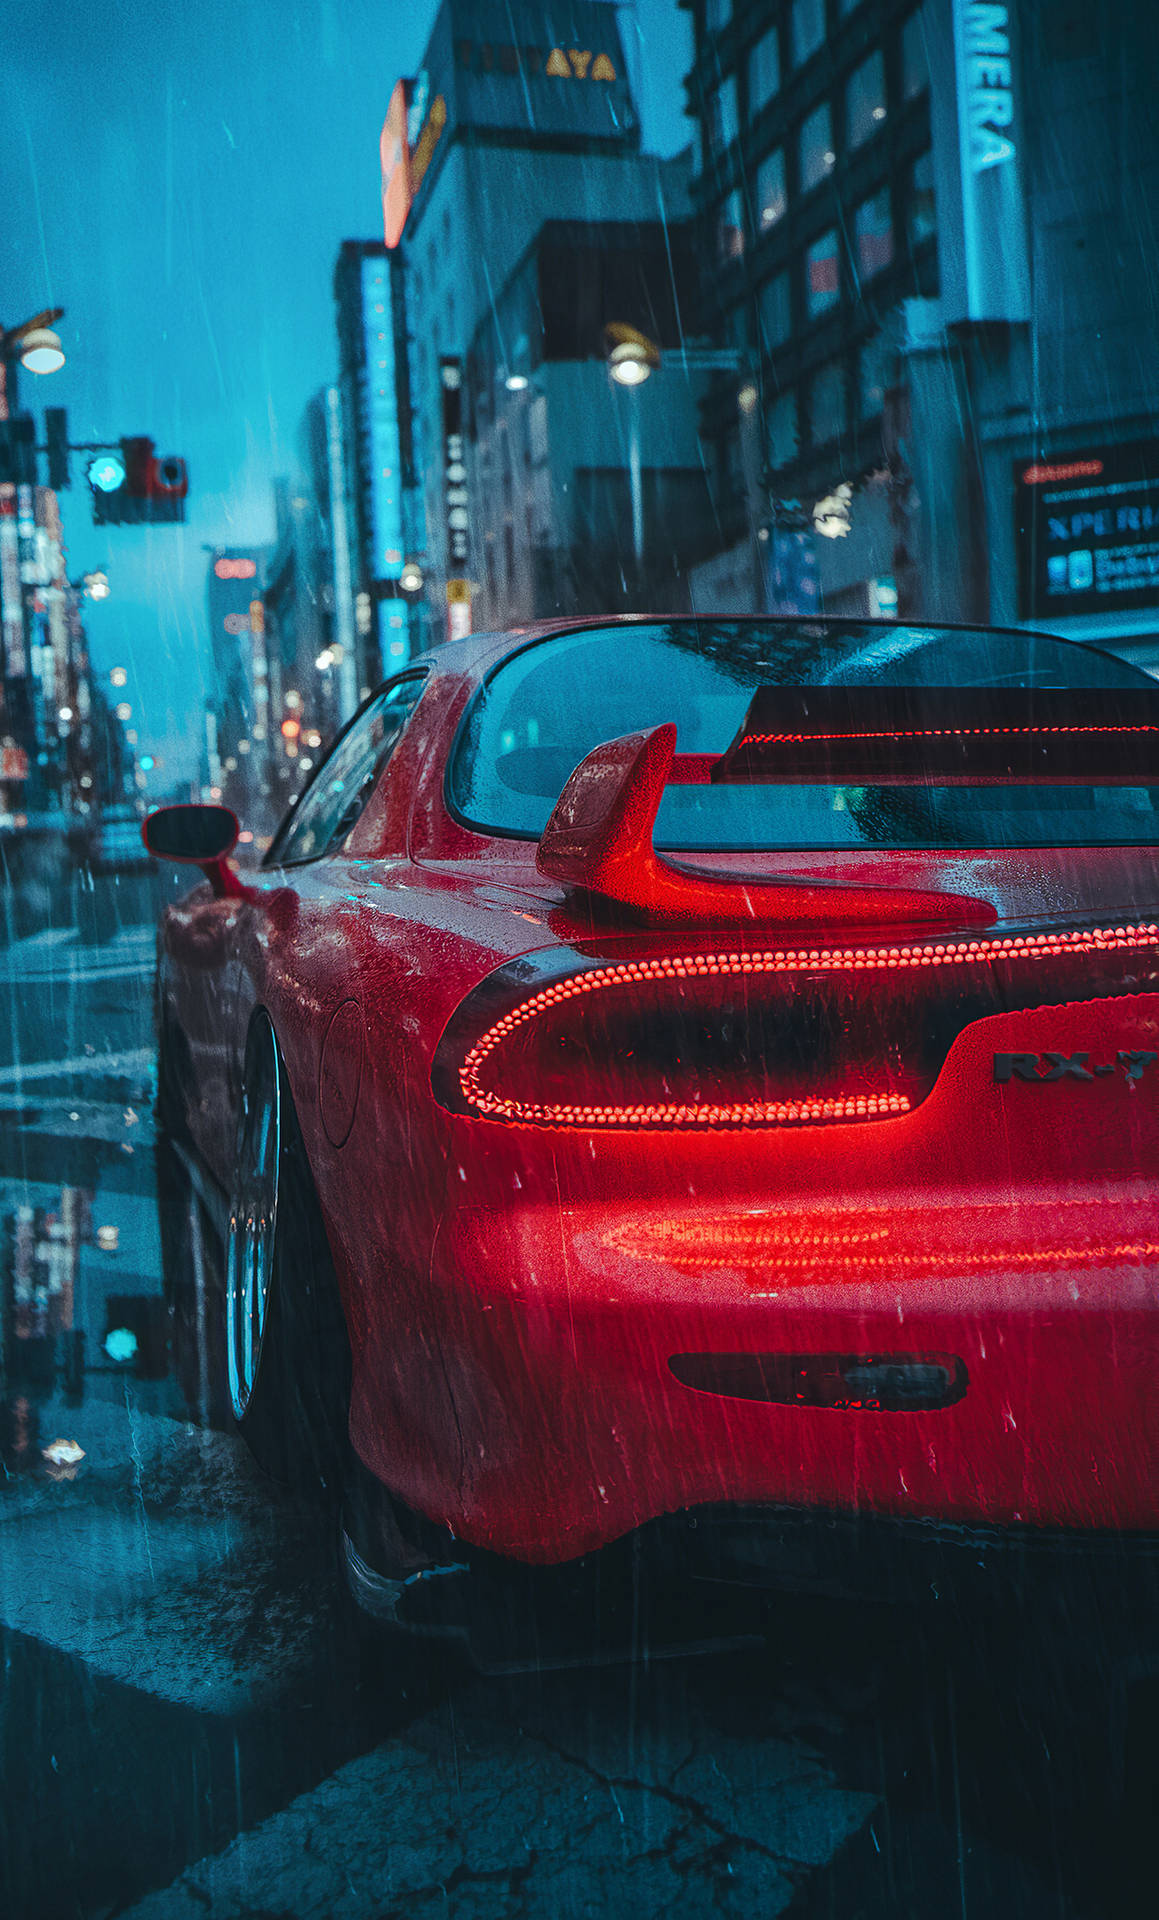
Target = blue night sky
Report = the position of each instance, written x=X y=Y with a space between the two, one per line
x=178 y=176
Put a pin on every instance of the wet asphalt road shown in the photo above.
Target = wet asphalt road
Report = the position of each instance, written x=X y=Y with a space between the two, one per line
x=192 y=1722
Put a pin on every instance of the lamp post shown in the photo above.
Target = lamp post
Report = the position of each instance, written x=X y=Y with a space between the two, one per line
x=632 y=359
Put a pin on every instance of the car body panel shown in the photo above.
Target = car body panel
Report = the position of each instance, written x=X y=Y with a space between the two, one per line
x=514 y=1294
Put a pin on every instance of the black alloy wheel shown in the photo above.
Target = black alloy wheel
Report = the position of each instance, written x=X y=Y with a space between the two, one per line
x=287 y=1351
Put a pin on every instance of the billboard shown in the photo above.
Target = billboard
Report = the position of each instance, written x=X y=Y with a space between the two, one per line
x=394 y=154
x=1087 y=527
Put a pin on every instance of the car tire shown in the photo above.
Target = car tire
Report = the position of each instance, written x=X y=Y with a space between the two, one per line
x=287 y=1351
x=193 y=1266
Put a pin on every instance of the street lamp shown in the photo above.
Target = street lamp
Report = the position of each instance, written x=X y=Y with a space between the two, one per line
x=631 y=355
x=33 y=344
x=41 y=351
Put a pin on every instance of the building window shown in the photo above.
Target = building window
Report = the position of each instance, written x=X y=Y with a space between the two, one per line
x=922 y=220
x=875 y=365
x=782 y=429
x=775 y=310
x=874 y=235
x=723 y=123
x=764 y=70
x=806 y=28
x=730 y=228
x=772 y=198
x=915 y=66
x=865 y=100
x=815 y=157
x=827 y=404
x=822 y=275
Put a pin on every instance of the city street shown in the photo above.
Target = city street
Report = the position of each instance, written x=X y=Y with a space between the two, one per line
x=193 y=1723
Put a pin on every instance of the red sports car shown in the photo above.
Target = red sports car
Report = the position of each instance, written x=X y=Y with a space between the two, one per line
x=678 y=1065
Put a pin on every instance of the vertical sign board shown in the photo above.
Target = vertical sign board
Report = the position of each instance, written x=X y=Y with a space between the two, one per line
x=383 y=452
x=978 y=134
x=457 y=522
x=1087 y=527
x=394 y=153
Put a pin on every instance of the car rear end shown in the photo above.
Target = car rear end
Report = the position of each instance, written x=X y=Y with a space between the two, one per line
x=858 y=1224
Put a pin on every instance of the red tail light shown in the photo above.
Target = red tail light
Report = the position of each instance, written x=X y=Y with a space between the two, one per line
x=753 y=1037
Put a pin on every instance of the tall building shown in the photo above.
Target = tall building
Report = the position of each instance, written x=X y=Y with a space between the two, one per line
x=947 y=302
x=519 y=114
x=370 y=445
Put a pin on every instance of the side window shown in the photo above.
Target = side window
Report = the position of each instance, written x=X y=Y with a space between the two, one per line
x=343 y=783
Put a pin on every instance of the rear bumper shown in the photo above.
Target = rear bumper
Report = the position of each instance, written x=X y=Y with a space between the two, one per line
x=1010 y=1232
x=558 y=1332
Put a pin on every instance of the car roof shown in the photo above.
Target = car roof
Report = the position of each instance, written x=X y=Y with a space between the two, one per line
x=477 y=652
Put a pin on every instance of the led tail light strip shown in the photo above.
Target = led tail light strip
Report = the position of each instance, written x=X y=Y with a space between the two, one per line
x=928 y=733
x=693 y=1247
x=488 y=1102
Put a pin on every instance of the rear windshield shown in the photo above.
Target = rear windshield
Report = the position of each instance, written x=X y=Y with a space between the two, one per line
x=543 y=709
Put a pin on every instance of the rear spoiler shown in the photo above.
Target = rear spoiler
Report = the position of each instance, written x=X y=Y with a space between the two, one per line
x=947 y=736
x=599 y=842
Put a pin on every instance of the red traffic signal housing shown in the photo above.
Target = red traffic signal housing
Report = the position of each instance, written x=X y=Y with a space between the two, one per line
x=153 y=491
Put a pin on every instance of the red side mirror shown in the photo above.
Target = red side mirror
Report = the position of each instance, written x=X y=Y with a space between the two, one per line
x=196 y=836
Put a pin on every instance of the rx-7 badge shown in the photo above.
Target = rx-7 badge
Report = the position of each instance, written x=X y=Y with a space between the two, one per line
x=1133 y=1063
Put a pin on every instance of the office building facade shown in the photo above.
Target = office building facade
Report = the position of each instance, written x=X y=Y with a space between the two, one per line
x=922 y=233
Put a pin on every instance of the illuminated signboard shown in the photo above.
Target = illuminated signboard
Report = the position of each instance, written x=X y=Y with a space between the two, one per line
x=455 y=499
x=557 y=63
x=1087 y=525
x=383 y=450
x=978 y=137
x=234 y=567
x=989 y=136
x=427 y=141
x=394 y=153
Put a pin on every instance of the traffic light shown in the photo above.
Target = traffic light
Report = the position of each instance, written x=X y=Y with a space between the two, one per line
x=56 y=447
x=132 y=487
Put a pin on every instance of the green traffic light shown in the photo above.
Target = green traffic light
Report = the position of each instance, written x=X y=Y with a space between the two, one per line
x=107 y=472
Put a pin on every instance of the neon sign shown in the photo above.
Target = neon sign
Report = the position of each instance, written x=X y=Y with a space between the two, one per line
x=557 y=63
x=427 y=141
x=234 y=569
x=993 y=271
x=989 y=77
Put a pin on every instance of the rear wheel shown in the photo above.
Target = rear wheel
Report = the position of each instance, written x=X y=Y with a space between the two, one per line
x=287 y=1354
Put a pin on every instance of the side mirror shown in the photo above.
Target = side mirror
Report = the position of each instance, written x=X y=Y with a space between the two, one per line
x=196 y=836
